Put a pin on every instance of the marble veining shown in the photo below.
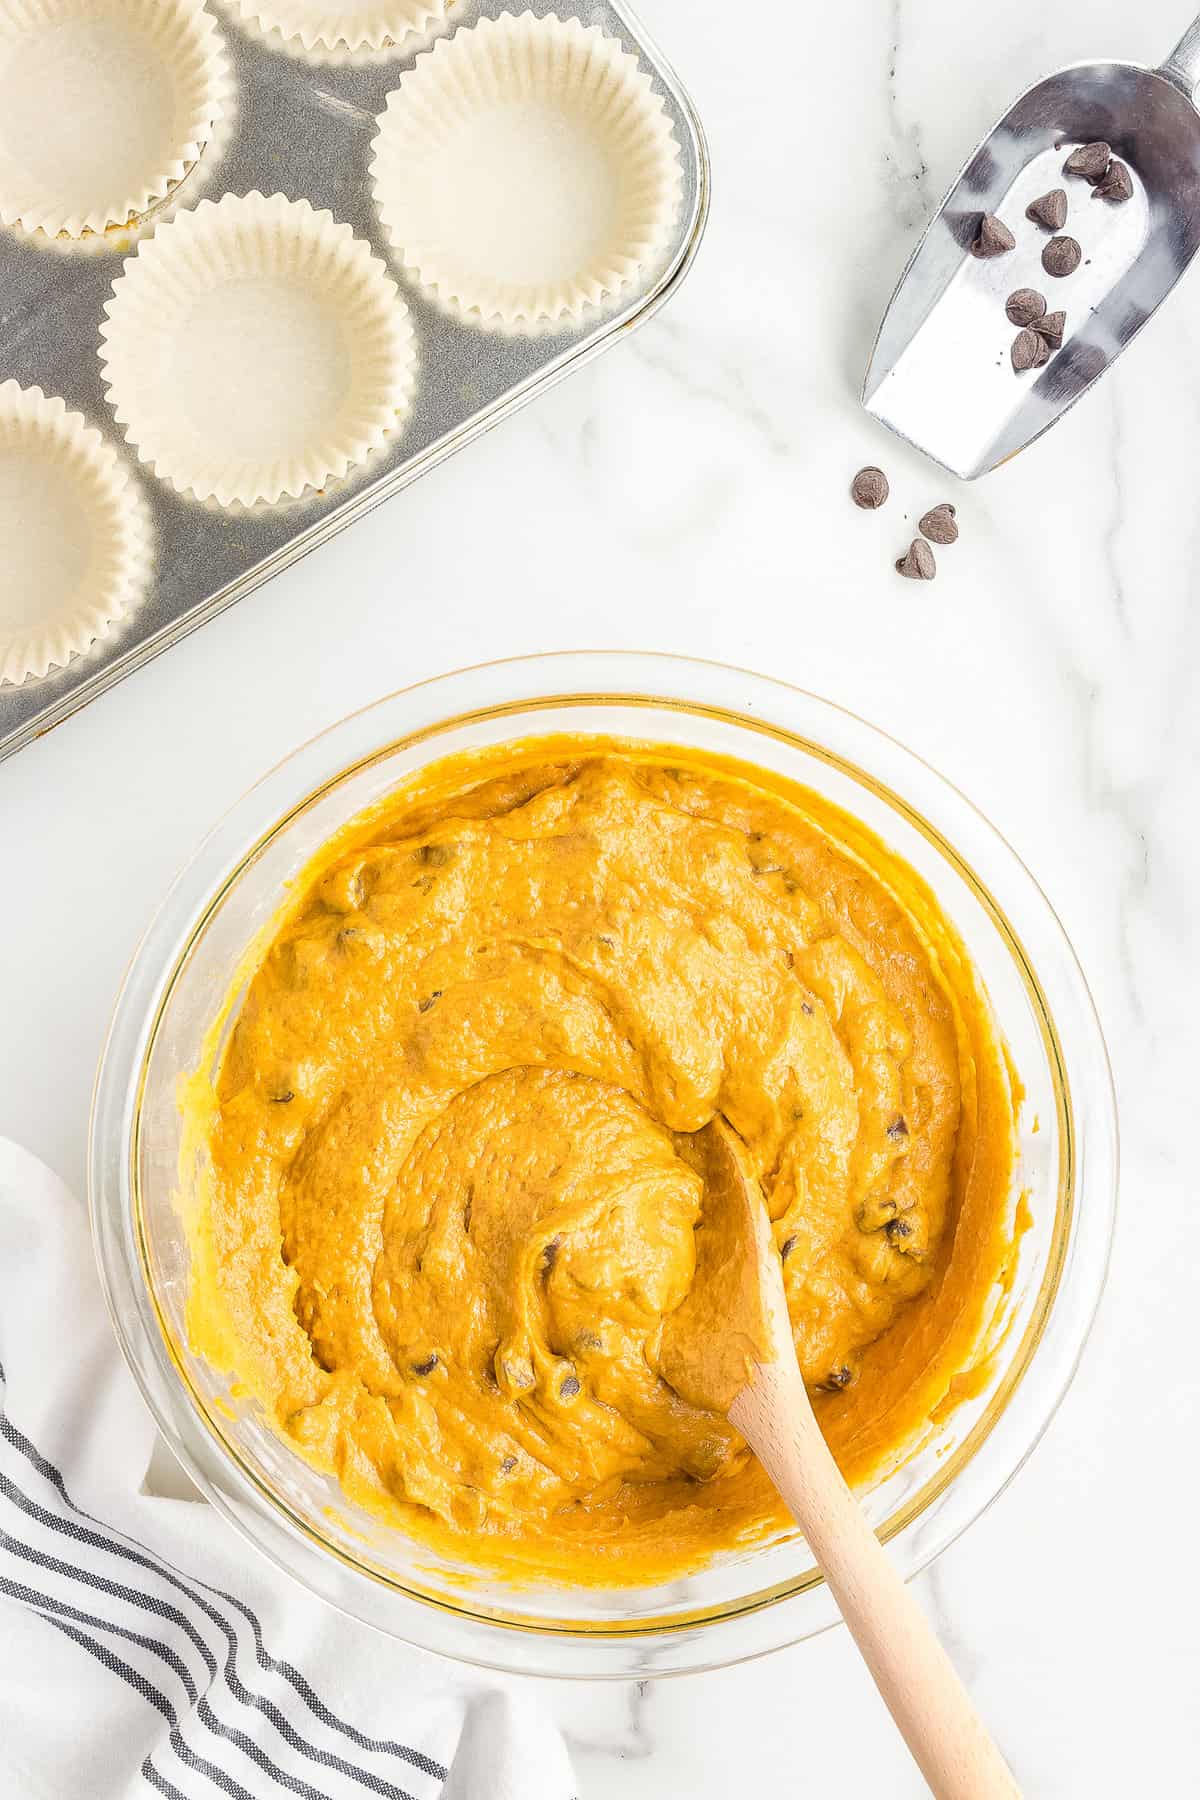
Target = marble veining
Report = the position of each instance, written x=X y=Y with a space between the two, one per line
x=688 y=492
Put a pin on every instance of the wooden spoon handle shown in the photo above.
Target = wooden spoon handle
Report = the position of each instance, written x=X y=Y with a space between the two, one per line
x=949 y=1741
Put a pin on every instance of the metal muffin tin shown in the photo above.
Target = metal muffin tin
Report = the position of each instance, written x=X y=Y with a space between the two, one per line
x=303 y=127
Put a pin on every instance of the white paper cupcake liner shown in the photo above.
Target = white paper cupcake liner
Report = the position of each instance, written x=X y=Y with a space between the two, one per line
x=104 y=106
x=526 y=170
x=254 y=348
x=76 y=542
x=326 y=25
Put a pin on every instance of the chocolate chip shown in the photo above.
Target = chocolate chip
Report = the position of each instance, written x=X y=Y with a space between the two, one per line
x=550 y=1256
x=806 y=1008
x=786 y=1248
x=427 y=1367
x=917 y=562
x=869 y=489
x=993 y=237
x=1024 y=306
x=1024 y=350
x=1049 y=209
x=938 y=524
x=1116 y=185
x=429 y=1001
x=873 y=1212
x=1061 y=256
x=284 y=1099
x=1051 y=329
x=898 y=1228
x=569 y=1388
x=840 y=1378
x=508 y=1465
x=434 y=856
x=1090 y=160
x=898 y=1129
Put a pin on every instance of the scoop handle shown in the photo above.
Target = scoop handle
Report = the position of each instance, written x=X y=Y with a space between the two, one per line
x=1183 y=65
x=947 y=1738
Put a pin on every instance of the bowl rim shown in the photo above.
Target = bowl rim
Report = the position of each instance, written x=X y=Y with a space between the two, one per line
x=520 y=685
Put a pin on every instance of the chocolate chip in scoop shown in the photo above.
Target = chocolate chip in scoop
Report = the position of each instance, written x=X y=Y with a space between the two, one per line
x=1049 y=209
x=939 y=527
x=993 y=237
x=1029 y=351
x=1089 y=160
x=869 y=489
x=1025 y=306
x=917 y=563
x=1061 y=257
x=1116 y=185
x=1050 y=329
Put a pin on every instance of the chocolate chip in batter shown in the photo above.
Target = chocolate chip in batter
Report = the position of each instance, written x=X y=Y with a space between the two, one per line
x=433 y=856
x=806 y=1008
x=839 y=1378
x=869 y=489
x=993 y=237
x=786 y=1248
x=1089 y=160
x=429 y=1001
x=938 y=524
x=284 y=1099
x=873 y=1212
x=1116 y=185
x=898 y=1228
x=550 y=1256
x=570 y=1387
x=1061 y=257
x=508 y=1465
x=1025 y=306
x=427 y=1367
x=898 y=1129
x=917 y=563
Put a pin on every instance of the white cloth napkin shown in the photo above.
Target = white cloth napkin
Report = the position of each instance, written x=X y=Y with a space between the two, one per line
x=143 y=1647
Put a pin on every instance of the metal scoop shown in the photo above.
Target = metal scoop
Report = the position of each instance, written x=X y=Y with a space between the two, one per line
x=941 y=373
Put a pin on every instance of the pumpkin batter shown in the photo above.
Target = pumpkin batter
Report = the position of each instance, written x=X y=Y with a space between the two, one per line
x=452 y=1186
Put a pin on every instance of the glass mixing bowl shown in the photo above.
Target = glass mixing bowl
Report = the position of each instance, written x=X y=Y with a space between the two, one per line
x=743 y=1604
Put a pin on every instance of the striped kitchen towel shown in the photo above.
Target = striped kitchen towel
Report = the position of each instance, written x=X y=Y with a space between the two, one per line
x=143 y=1647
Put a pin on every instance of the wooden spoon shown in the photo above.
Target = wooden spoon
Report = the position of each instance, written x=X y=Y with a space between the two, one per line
x=729 y=1348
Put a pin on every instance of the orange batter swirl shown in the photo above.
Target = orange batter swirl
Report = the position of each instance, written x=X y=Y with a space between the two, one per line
x=452 y=1195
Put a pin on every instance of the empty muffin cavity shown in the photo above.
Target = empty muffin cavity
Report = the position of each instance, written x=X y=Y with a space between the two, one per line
x=525 y=170
x=75 y=534
x=324 y=25
x=255 y=348
x=104 y=106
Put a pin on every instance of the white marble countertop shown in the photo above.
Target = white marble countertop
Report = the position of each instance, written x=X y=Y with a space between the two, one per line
x=691 y=496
